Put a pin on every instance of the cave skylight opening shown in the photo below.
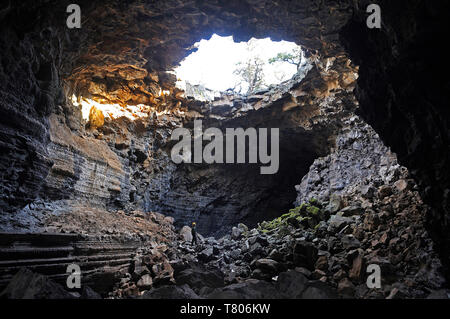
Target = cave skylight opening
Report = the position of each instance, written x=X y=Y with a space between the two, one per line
x=220 y=64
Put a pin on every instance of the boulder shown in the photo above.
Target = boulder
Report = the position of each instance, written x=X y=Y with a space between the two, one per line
x=256 y=249
x=163 y=273
x=236 y=233
x=305 y=254
x=351 y=211
x=178 y=265
x=350 y=242
x=303 y=271
x=276 y=255
x=267 y=265
x=335 y=204
x=401 y=185
x=319 y=290
x=318 y=274
x=291 y=284
x=336 y=223
x=29 y=285
x=346 y=288
x=235 y=254
x=249 y=289
x=261 y=274
x=186 y=233
x=322 y=263
x=170 y=292
x=198 y=278
x=243 y=227
x=384 y=191
x=139 y=269
x=357 y=270
x=145 y=282
x=367 y=191
x=206 y=254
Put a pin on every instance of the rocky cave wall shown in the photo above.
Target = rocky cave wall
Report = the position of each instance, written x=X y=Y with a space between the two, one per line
x=403 y=94
x=359 y=161
x=219 y=196
x=43 y=63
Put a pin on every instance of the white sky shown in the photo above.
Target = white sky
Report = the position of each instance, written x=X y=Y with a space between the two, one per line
x=212 y=65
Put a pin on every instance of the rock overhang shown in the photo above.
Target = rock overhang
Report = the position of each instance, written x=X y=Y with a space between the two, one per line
x=132 y=66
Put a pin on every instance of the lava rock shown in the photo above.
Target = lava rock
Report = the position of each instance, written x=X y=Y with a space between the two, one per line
x=186 y=233
x=145 y=282
x=319 y=290
x=346 y=288
x=206 y=254
x=384 y=191
x=267 y=265
x=305 y=254
x=198 y=278
x=236 y=233
x=249 y=289
x=170 y=292
x=350 y=242
x=291 y=284
x=26 y=284
x=336 y=223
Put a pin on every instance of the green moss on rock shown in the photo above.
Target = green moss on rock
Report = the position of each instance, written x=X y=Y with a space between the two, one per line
x=307 y=215
x=313 y=210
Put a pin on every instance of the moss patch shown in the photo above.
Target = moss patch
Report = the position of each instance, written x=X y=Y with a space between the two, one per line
x=307 y=215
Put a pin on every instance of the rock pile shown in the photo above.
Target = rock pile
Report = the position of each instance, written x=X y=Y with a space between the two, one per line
x=29 y=285
x=320 y=249
x=317 y=250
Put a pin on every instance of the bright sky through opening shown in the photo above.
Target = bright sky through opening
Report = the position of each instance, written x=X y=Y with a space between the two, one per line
x=212 y=65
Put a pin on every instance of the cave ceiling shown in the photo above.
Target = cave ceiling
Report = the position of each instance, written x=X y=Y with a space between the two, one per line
x=123 y=50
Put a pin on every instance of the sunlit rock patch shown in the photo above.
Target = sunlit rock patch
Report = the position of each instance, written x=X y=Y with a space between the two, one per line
x=94 y=112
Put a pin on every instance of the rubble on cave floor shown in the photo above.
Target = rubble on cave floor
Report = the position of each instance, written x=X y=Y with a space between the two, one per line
x=317 y=250
x=355 y=207
x=320 y=249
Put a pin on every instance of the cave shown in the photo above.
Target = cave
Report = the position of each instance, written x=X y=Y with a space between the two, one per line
x=88 y=110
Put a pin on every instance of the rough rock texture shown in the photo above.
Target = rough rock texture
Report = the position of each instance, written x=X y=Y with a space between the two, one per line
x=84 y=168
x=317 y=250
x=28 y=285
x=359 y=160
x=29 y=89
x=308 y=110
x=158 y=35
x=104 y=244
x=403 y=92
x=127 y=164
x=331 y=248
